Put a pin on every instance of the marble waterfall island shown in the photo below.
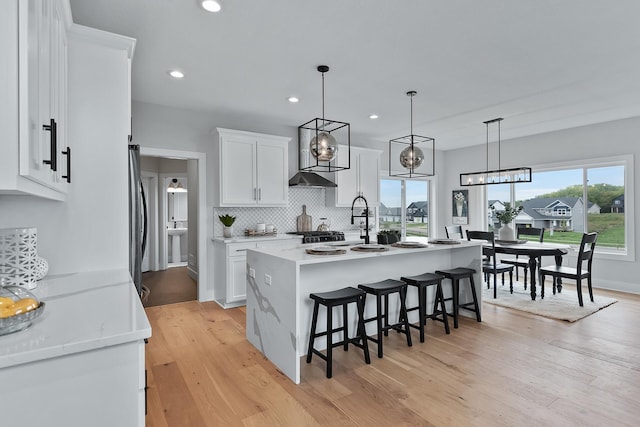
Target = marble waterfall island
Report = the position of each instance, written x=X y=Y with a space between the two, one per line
x=279 y=282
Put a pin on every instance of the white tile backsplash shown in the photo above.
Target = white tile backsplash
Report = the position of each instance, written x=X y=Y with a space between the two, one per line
x=284 y=219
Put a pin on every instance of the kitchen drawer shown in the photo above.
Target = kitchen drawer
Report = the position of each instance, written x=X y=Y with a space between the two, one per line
x=240 y=249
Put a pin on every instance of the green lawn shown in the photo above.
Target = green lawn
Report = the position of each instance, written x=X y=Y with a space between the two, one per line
x=610 y=228
x=413 y=228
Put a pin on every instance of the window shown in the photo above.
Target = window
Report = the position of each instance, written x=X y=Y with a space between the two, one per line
x=569 y=200
x=404 y=206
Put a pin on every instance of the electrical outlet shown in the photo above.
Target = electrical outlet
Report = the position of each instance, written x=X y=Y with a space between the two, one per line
x=267 y=279
x=252 y=273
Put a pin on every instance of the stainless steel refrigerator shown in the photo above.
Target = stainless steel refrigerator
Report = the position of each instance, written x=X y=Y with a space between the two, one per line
x=137 y=218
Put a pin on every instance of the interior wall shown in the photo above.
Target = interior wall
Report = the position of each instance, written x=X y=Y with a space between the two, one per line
x=609 y=139
x=90 y=230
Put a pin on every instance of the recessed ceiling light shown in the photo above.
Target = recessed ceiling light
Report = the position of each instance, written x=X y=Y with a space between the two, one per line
x=373 y=116
x=211 y=5
x=292 y=99
x=176 y=74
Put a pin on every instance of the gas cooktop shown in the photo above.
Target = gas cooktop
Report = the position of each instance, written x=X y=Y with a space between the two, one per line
x=319 y=236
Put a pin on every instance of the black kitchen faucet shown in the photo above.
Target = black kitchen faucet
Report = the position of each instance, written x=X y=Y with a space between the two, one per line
x=364 y=214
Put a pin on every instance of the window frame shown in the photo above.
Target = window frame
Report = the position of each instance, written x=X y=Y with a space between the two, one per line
x=431 y=189
x=585 y=164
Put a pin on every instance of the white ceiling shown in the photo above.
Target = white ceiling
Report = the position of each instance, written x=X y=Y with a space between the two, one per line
x=543 y=65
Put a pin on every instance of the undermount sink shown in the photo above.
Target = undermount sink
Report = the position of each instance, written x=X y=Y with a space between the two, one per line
x=176 y=231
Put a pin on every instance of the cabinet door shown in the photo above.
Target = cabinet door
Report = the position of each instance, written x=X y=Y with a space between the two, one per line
x=43 y=71
x=369 y=175
x=238 y=180
x=346 y=180
x=236 y=278
x=272 y=172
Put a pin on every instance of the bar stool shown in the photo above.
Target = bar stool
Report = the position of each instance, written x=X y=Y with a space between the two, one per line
x=341 y=297
x=383 y=289
x=423 y=281
x=455 y=275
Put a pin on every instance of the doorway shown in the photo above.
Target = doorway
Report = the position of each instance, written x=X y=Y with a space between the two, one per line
x=196 y=268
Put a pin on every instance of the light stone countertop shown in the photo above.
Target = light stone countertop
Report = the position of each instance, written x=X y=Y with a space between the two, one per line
x=244 y=239
x=83 y=312
x=299 y=255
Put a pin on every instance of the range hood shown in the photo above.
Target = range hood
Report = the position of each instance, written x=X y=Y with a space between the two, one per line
x=310 y=179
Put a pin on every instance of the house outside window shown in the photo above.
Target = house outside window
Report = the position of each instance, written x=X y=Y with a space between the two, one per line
x=404 y=206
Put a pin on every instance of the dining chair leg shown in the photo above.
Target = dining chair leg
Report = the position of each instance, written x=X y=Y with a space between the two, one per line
x=511 y=281
x=590 y=288
x=579 y=289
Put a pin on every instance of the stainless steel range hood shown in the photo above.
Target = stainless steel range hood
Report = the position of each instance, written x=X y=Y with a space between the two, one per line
x=310 y=179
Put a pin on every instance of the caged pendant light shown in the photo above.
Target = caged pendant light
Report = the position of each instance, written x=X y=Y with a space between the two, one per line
x=412 y=157
x=318 y=142
x=496 y=176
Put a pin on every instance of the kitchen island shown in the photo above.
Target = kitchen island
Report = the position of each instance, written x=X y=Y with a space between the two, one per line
x=279 y=282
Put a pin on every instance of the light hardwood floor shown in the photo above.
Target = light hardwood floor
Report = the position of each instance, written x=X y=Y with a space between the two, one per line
x=513 y=369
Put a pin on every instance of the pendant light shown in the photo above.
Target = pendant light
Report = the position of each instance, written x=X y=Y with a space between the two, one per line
x=411 y=156
x=319 y=139
x=495 y=176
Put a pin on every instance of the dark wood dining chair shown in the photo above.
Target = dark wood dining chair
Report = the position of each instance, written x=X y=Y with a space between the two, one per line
x=523 y=262
x=454 y=232
x=490 y=267
x=577 y=273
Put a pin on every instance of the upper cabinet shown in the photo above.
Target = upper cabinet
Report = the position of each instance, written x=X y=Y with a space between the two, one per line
x=254 y=169
x=37 y=158
x=363 y=178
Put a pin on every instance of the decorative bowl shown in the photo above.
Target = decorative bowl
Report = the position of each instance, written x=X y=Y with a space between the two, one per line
x=20 y=321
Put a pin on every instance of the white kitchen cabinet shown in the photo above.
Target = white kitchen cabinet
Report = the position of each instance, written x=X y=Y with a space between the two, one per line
x=362 y=178
x=34 y=42
x=254 y=169
x=230 y=266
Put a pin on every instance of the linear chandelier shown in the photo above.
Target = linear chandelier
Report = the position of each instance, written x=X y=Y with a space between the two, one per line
x=495 y=176
x=411 y=156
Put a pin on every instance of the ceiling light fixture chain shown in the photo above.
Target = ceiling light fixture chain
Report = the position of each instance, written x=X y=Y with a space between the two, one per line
x=412 y=93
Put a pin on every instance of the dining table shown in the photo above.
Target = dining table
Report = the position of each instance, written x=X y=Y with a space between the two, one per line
x=534 y=250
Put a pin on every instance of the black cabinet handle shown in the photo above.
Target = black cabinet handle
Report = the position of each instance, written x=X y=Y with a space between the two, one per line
x=53 y=128
x=67 y=153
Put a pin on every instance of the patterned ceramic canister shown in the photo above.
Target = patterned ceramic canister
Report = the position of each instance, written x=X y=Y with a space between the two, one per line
x=18 y=256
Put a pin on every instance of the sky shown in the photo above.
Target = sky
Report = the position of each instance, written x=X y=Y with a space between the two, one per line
x=542 y=183
x=548 y=182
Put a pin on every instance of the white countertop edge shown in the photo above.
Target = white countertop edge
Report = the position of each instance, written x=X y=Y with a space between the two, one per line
x=35 y=355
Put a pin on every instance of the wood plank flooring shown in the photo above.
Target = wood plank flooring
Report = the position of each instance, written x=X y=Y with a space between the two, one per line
x=169 y=286
x=513 y=369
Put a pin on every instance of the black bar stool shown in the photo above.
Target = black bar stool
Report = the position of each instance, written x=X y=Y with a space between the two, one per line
x=341 y=297
x=384 y=288
x=455 y=275
x=423 y=281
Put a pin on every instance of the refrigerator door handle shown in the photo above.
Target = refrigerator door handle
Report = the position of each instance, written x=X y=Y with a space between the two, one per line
x=144 y=219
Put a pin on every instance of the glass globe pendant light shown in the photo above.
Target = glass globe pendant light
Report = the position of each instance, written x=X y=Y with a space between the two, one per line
x=318 y=142
x=324 y=147
x=411 y=156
